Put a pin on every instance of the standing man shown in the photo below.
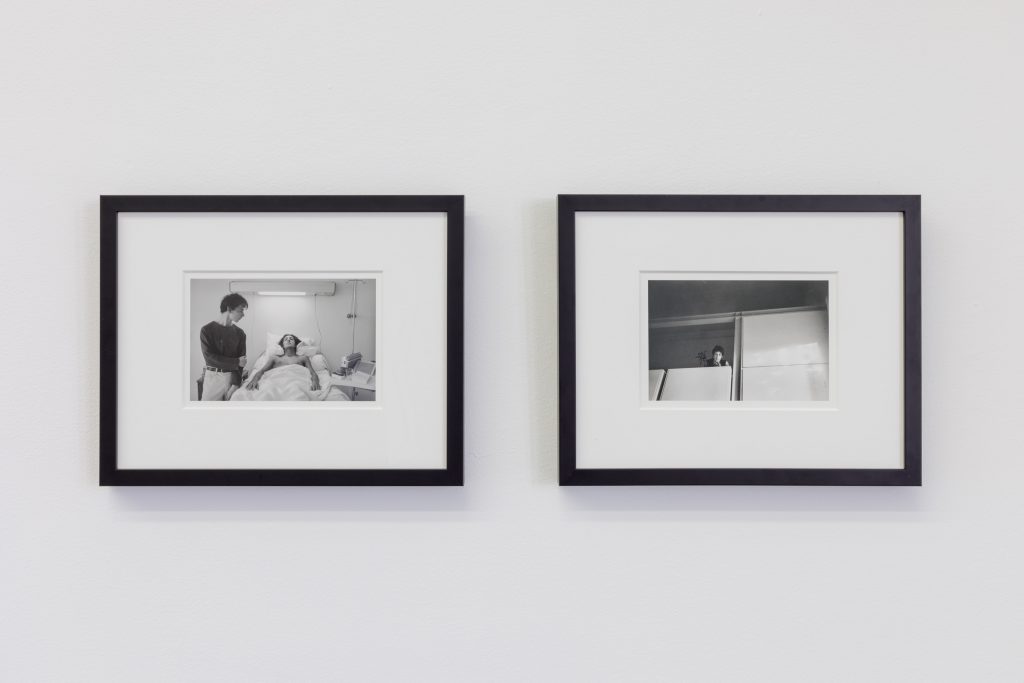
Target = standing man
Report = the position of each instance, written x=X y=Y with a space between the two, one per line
x=223 y=345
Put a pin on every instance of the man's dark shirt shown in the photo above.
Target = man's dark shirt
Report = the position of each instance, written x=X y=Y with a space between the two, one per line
x=222 y=346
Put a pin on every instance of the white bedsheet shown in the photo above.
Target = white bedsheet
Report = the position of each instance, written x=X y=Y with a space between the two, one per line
x=289 y=383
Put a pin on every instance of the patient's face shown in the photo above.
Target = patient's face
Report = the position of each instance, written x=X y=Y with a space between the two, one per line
x=289 y=340
x=718 y=356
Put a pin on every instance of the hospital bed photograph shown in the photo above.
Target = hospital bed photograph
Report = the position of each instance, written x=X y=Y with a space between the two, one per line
x=285 y=312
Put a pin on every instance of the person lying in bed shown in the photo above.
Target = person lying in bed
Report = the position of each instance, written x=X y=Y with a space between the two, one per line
x=289 y=343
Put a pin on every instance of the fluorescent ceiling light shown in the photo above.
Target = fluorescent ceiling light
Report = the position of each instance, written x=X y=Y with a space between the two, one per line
x=284 y=287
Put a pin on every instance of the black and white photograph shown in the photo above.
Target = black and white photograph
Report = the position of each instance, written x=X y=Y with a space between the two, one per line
x=734 y=340
x=785 y=351
x=310 y=340
x=278 y=337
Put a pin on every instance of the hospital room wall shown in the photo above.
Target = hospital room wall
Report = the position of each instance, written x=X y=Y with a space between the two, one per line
x=283 y=314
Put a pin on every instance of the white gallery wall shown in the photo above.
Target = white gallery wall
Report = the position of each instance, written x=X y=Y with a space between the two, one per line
x=511 y=578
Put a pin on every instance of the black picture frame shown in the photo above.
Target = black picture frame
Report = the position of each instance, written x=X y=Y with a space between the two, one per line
x=113 y=205
x=572 y=475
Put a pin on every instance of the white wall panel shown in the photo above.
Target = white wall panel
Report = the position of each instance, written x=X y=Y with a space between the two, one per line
x=655 y=378
x=697 y=384
x=794 y=338
x=785 y=383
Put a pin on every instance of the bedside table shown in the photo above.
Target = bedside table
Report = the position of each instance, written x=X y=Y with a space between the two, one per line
x=358 y=386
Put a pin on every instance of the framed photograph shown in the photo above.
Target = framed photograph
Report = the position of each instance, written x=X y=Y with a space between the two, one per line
x=741 y=340
x=281 y=340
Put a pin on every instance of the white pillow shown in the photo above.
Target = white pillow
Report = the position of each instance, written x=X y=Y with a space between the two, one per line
x=319 y=362
x=260 y=362
x=274 y=348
